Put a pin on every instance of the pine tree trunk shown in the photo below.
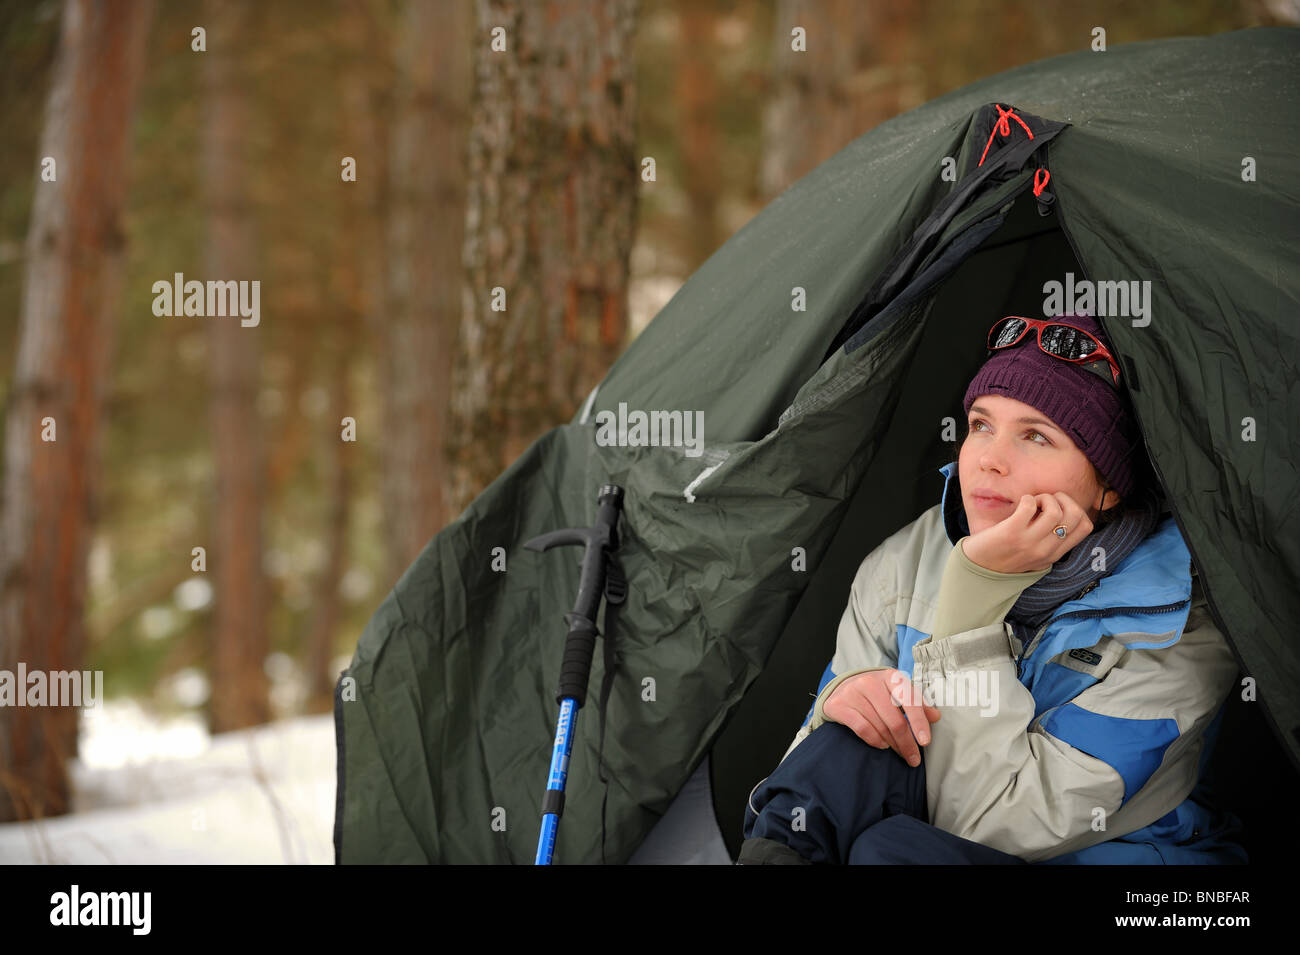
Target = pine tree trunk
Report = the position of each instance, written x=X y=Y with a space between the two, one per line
x=856 y=71
x=67 y=330
x=357 y=273
x=338 y=469
x=426 y=223
x=239 y=628
x=550 y=221
x=696 y=92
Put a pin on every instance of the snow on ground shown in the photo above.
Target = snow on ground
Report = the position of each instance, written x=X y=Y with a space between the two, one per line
x=151 y=791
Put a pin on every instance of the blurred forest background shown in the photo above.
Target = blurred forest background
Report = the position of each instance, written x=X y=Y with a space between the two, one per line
x=380 y=169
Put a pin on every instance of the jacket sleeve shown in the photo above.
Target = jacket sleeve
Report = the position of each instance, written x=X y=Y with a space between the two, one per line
x=971 y=596
x=866 y=639
x=1118 y=756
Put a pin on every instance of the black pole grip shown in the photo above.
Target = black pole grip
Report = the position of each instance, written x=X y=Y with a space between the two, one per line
x=598 y=543
x=600 y=539
x=575 y=668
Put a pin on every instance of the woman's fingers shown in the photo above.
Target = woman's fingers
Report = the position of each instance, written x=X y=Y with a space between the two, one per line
x=848 y=705
x=907 y=695
x=1057 y=509
x=1025 y=510
x=865 y=731
x=896 y=724
x=1049 y=513
x=1077 y=523
x=1079 y=516
x=867 y=706
x=860 y=716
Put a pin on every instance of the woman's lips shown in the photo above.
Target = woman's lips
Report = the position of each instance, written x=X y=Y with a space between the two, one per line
x=989 y=503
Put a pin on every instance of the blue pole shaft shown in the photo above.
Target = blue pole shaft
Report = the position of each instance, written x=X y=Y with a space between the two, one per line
x=559 y=773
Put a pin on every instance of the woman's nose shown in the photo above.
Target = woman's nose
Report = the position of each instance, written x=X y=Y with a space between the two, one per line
x=993 y=455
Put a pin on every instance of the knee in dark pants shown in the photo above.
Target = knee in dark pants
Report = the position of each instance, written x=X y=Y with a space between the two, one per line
x=906 y=840
x=827 y=791
x=768 y=852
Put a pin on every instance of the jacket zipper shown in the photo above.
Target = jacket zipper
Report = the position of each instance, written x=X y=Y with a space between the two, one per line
x=1106 y=612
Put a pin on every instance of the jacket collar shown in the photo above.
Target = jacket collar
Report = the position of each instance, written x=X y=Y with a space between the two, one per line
x=954 y=512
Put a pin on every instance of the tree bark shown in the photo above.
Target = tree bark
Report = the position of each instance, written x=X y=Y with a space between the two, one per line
x=239 y=630
x=696 y=92
x=859 y=69
x=550 y=221
x=67 y=330
x=354 y=295
x=339 y=458
x=426 y=222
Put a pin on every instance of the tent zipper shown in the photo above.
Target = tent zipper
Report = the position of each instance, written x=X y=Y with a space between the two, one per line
x=1046 y=198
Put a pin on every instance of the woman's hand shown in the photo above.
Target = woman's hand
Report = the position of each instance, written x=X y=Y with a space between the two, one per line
x=1026 y=540
x=865 y=703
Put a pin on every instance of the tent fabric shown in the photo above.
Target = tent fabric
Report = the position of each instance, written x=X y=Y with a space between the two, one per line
x=688 y=833
x=823 y=427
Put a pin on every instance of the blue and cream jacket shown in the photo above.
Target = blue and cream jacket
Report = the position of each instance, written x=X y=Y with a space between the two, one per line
x=1084 y=746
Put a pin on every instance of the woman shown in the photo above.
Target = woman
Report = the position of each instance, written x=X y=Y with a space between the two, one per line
x=1030 y=664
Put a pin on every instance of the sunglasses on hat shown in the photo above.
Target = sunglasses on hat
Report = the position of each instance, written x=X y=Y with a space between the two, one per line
x=1060 y=340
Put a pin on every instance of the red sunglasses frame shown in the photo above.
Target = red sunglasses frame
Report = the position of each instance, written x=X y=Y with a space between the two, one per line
x=1038 y=324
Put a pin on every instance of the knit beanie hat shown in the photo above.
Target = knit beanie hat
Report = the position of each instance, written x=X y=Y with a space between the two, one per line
x=1078 y=401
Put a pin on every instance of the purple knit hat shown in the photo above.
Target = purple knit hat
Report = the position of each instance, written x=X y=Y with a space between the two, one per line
x=1078 y=401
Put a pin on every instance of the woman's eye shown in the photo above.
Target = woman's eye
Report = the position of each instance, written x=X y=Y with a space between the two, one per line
x=974 y=425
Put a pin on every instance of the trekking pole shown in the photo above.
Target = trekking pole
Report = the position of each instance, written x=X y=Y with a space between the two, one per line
x=599 y=542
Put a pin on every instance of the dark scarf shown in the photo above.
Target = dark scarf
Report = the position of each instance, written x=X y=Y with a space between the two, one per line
x=1073 y=572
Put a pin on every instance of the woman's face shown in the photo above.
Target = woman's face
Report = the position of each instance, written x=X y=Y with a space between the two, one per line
x=1002 y=455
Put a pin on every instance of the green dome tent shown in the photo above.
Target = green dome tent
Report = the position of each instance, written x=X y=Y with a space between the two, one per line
x=825 y=344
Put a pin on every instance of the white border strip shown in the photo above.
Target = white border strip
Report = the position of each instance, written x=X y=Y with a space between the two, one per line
x=586 y=408
x=690 y=498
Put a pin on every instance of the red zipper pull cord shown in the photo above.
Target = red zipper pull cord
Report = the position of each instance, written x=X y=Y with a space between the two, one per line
x=1003 y=128
x=1045 y=198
